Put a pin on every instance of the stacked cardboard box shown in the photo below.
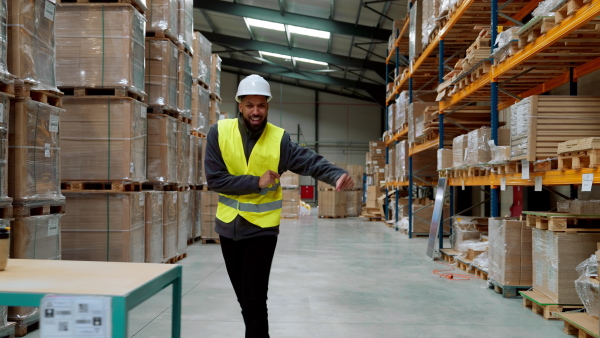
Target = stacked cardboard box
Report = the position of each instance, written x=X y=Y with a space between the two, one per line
x=214 y=111
x=353 y=203
x=422 y=214
x=332 y=203
x=103 y=139
x=100 y=46
x=200 y=109
x=170 y=229
x=162 y=69
x=555 y=256
x=104 y=227
x=291 y=203
x=186 y=24
x=185 y=201
x=376 y=162
x=415 y=45
x=510 y=252
x=183 y=153
x=162 y=149
x=32 y=48
x=162 y=17
x=215 y=75
x=3 y=42
x=184 y=85
x=201 y=62
x=154 y=227
x=210 y=201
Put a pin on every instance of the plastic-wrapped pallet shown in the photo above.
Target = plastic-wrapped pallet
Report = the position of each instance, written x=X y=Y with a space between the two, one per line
x=184 y=220
x=32 y=52
x=214 y=111
x=162 y=16
x=510 y=252
x=34 y=152
x=103 y=139
x=197 y=210
x=210 y=201
x=4 y=126
x=162 y=149
x=100 y=46
x=391 y=109
x=3 y=42
x=588 y=287
x=415 y=46
x=401 y=167
x=444 y=159
x=401 y=108
x=154 y=227
x=430 y=15
x=506 y=44
x=193 y=159
x=332 y=203
x=201 y=61
x=200 y=109
x=445 y=6
x=186 y=24
x=183 y=153
x=162 y=67
x=215 y=80
x=35 y=237
x=104 y=227
x=184 y=101
x=459 y=147
x=170 y=215
x=464 y=229
x=547 y=8
x=478 y=148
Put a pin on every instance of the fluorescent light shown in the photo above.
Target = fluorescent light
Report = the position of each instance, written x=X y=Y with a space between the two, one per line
x=311 y=61
x=265 y=24
x=281 y=56
x=309 y=32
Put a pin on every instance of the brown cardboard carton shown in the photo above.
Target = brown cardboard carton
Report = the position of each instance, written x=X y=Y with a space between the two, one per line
x=186 y=24
x=215 y=80
x=210 y=201
x=183 y=153
x=200 y=109
x=170 y=215
x=104 y=227
x=162 y=16
x=184 y=220
x=289 y=179
x=4 y=136
x=184 y=85
x=332 y=203
x=162 y=63
x=100 y=46
x=163 y=161
x=291 y=203
x=197 y=210
x=35 y=237
x=510 y=255
x=154 y=227
x=103 y=139
x=201 y=61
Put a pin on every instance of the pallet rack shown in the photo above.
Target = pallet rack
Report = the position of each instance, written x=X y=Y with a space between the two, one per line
x=505 y=84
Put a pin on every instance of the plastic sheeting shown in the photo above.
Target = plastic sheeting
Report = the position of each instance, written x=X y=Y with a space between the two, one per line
x=186 y=24
x=587 y=285
x=162 y=16
x=200 y=109
x=162 y=162
x=547 y=8
x=162 y=69
x=202 y=55
x=36 y=237
x=184 y=100
x=154 y=227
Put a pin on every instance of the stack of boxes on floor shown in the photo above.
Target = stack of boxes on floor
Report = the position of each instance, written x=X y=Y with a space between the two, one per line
x=290 y=184
x=375 y=172
x=29 y=130
x=348 y=203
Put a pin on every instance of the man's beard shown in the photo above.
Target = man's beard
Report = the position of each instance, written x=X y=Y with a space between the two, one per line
x=253 y=127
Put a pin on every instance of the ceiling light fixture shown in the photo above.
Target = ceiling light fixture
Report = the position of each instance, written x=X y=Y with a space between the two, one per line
x=265 y=24
x=275 y=55
x=289 y=58
x=311 y=61
x=309 y=32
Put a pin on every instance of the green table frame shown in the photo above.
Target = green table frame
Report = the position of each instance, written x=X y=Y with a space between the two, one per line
x=26 y=281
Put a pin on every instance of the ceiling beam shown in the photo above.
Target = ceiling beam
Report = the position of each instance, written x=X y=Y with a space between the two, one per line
x=333 y=26
x=373 y=89
x=339 y=60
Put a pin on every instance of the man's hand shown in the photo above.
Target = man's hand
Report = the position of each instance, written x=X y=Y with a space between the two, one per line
x=267 y=179
x=344 y=182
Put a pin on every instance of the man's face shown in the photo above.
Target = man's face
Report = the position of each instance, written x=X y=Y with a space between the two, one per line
x=255 y=109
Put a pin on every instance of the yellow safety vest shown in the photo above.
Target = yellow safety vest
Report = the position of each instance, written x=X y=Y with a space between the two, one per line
x=263 y=208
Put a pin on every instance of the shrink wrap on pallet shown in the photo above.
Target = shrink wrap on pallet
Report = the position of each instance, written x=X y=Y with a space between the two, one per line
x=555 y=254
x=186 y=24
x=162 y=67
x=100 y=45
x=162 y=16
x=183 y=153
x=401 y=107
x=104 y=227
x=4 y=126
x=200 y=109
x=4 y=74
x=510 y=252
x=184 y=85
x=103 y=139
x=34 y=152
x=170 y=215
x=391 y=110
x=445 y=6
x=162 y=149
x=154 y=227
x=465 y=229
x=588 y=287
x=415 y=45
x=193 y=158
x=459 y=147
x=35 y=237
x=201 y=61
x=210 y=201
x=547 y=8
x=197 y=210
x=184 y=219
x=32 y=52
x=430 y=15
x=478 y=147
x=353 y=203
x=401 y=167
x=215 y=75
x=444 y=159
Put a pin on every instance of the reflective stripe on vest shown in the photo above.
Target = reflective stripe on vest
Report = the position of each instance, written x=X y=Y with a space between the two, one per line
x=262 y=208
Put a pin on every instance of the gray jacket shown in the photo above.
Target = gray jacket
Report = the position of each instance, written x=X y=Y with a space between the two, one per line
x=295 y=158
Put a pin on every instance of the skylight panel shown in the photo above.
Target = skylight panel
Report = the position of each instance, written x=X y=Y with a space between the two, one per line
x=309 y=32
x=265 y=24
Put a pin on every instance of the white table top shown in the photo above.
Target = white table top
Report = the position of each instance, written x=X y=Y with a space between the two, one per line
x=78 y=277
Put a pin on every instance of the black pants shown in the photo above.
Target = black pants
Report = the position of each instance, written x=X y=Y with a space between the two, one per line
x=248 y=263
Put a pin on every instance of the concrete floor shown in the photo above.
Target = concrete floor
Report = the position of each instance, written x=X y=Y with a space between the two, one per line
x=341 y=278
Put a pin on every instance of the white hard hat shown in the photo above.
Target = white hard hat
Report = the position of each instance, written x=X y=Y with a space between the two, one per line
x=253 y=85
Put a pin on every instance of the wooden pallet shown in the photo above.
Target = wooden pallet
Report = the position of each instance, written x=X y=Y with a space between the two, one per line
x=202 y=84
x=478 y=171
x=6 y=209
x=214 y=96
x=507 y=168
x=468 y=266
x=7 y=85
x=543 y=305
x=164 y=187
x=210 y=240
x=567 y=10
x=8 y=330
x=507 y=291
x=580 y=159
x=163 y=35
x=449 y=255
x=555 y=221
x=26 y=325
x=534 y=29
x=176 y=259
x=39 y=208
x=104 y=187
x=25 y=91
x=580 y=324
x=332 y=217
x=104 y=91
x=137 y=4
x=165 y=110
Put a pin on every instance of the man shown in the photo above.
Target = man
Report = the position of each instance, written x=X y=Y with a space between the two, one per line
x=244 y=160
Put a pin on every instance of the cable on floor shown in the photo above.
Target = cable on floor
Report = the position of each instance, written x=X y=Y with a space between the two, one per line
x=453 y=276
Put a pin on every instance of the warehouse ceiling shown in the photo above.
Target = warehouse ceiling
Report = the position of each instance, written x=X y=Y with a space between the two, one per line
x=349 y=61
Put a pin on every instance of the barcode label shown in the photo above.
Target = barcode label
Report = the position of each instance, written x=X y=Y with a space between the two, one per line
x=63 y=326
x=144 y=111
x=53 y=227
x=83 y=321
x=83 y=308
x=63 y=313
x=47 y=150
x=53 y=127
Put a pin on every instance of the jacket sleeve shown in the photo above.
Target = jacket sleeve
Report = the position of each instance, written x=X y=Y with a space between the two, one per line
x=218 y=177
x=306 y=162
